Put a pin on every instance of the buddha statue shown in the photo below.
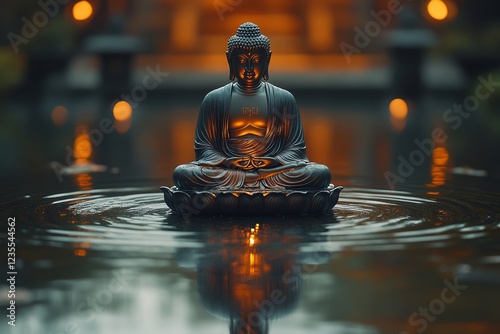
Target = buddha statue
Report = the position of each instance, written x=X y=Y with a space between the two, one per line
x=249 y=134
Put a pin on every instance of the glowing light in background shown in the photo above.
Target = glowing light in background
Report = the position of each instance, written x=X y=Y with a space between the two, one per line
x=122 y=111
x=321 y=27
x=184 y=27
x=82 y=10
x=82 y=148
x=437 y=9
x=321 y=138
x=398 y=108
x=182 y=135
x=59 y=115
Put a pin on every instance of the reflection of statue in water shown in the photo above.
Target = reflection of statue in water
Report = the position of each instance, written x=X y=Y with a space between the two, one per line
x=248 y=285
x=249 y=137
x=250 y=273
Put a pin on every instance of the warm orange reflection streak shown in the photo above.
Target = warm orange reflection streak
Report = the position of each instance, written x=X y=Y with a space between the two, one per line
x=244 y=275
x=84 y=181
x=250 y=266
x=440 y=157
x=82 y=244
x=80 y=252
x=82 y=147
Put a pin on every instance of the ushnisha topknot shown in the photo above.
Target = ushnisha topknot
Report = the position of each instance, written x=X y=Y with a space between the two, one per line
x=248 y=37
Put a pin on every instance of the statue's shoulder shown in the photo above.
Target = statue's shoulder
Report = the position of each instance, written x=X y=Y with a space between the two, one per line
x=281 y=92
x=218 y=93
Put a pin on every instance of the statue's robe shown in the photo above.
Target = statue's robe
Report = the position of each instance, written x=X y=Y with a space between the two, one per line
x=284 y=140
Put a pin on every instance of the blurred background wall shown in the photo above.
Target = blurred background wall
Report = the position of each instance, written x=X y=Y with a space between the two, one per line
x=112 y=88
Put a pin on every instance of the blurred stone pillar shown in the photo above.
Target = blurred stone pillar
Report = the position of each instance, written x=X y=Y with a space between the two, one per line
x=115 y=50
x=407 y=46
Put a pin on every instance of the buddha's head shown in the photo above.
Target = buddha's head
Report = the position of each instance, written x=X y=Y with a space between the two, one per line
x=248 y=54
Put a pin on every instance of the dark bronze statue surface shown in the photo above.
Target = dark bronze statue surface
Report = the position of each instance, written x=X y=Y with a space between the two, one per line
x=249 y=140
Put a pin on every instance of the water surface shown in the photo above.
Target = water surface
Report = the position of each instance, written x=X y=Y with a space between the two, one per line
x=113 y=259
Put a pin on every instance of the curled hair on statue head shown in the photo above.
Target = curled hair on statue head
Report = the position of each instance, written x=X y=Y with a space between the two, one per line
x=248 y=37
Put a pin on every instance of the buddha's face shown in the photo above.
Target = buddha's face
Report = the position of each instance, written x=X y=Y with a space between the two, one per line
x=249 y=66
